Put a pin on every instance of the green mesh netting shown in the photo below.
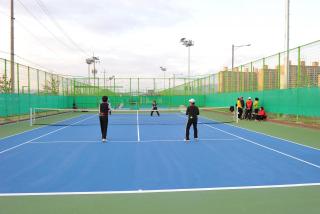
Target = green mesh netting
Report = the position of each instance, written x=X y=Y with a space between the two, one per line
x=135 y=102
x=297 y=101
x=14 y=104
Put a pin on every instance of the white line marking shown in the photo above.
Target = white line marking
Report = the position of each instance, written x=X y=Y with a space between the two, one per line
x=35 y=128
x=217 y=139
x=160 y=191
x=89 y=141
x=289 y=141
x=266 y=147
x=65 y=141
x=138 y=127
x=279 y=138
x=129 y=141
x=14 y=147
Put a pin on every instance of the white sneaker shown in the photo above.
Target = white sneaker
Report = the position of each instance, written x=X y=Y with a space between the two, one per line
x=196 y=140
x=187 y=141
x=104 y=140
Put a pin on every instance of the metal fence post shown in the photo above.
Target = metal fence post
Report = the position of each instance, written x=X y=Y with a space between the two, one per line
x=38 y=82
x=18 y=79
x=298 y=84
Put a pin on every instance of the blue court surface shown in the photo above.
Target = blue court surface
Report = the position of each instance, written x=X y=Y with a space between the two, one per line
x=149 y=153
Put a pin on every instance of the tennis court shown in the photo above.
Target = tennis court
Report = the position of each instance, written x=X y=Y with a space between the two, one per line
x=70 y=70
x=148 y=154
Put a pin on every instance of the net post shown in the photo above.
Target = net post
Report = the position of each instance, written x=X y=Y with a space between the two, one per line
x=31 y=115
x=138 y=127
x=34 y=115
x=237 y=114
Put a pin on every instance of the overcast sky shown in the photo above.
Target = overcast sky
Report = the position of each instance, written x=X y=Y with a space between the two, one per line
x=136 y=37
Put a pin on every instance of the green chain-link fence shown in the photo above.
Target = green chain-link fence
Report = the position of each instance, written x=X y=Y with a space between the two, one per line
x=295 y=93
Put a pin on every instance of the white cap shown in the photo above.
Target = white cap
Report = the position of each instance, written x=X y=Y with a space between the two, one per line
x=192 y=101
x=249 y=98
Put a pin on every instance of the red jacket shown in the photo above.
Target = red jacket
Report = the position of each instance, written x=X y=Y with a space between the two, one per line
x=249 y=104
x=262 y=113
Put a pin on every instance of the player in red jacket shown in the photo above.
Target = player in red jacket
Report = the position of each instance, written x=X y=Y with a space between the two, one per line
x=248 y=112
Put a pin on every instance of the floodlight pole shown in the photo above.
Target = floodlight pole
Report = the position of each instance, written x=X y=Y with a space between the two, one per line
x=189 y=59
x=12 y=79
x=89 y=72
x=233 y=49
x=188 y=44
x=94 y=61
x=164 y=69
x=114 y=83
x=104 y=78
x=174 y=79
x=89 y=61
x=94 y=71
x=164 y=80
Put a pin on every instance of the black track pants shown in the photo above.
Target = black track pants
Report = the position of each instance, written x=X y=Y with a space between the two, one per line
x=194 y=123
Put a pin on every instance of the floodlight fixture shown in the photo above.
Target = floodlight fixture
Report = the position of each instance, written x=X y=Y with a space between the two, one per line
x=163 y=68
x=188 y=43
x=233 y=50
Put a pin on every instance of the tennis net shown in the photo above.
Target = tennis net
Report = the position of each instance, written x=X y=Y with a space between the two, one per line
x=177 y=116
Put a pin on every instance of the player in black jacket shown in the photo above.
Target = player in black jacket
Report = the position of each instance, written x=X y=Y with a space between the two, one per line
x=103 y=116
x=192 y=112
x=154 y=108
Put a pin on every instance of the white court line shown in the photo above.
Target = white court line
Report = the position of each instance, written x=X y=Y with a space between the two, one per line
x=14 y=147
x=82 y=141
x=279 y=138
x=266 y=147
x=129 y=141
x=138 y=127
x=66 y=141
x=160 y=191
x=183 y=140
x=35 y=128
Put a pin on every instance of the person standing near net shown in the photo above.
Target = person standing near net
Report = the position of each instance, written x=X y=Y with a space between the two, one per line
x=248 y=112
x=255 y=108
x=154 y=108
x=192 y=113
x=239 y=107
x=103 y=116
x=110 y=107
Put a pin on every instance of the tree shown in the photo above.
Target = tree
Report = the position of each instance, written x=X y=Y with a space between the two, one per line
x=52 y=86
x=5 y=84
